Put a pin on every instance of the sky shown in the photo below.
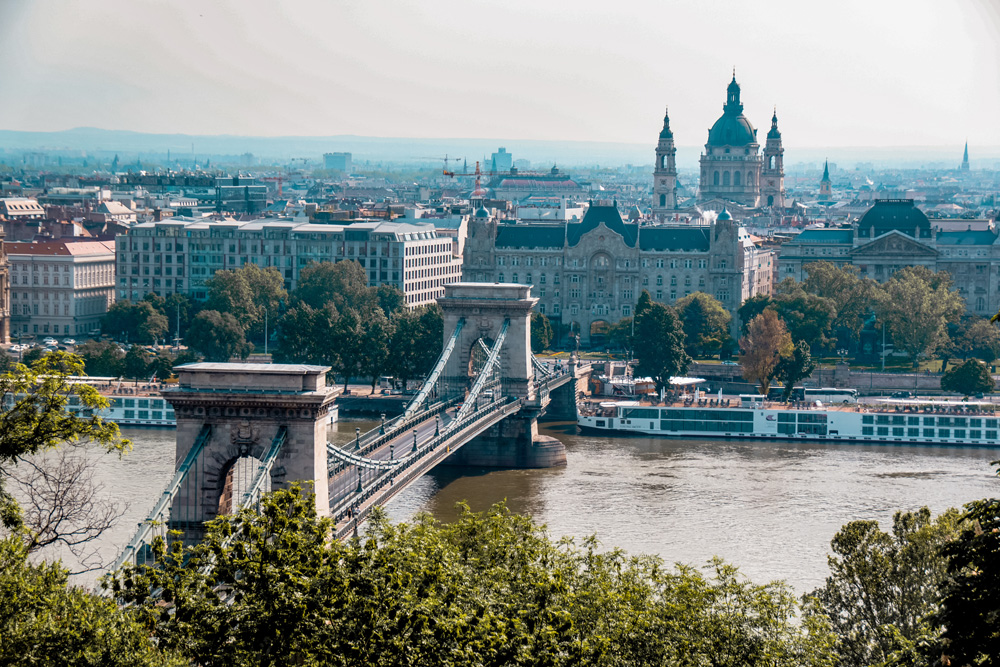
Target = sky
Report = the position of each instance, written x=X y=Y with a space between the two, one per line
x=841 y=74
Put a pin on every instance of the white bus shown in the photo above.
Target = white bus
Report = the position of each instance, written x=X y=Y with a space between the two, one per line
x=831 y=395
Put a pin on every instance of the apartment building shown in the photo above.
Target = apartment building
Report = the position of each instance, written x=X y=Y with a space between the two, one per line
x=180 y=254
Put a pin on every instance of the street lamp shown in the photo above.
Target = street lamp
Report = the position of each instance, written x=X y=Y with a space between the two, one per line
x=361 y=488
x=381 y=430
x=392 y=452
x=357 y=438
x=437 y=425
x=414 y=441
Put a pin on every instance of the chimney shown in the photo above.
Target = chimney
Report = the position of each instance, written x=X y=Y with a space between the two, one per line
x=157 y=214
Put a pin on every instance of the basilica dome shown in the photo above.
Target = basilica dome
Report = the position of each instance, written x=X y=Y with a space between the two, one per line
x=733 y=128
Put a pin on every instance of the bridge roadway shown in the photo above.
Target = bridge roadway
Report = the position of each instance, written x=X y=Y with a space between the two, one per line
x=352 y=499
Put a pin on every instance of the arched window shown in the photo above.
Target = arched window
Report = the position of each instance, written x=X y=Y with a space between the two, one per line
x=715 y=178
x=736 y=178
x=749 y=178
x=770 y=200
x=770 y=162
x=663 y=200
x=663 y=162
x=725 y=178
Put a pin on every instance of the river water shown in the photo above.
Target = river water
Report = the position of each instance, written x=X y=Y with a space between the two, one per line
x=770 y=508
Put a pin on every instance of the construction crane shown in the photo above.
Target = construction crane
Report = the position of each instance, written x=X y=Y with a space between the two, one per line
x=446 y=160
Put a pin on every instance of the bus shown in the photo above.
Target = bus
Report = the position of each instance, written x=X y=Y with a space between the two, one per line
x=831 y=395
x=776 y=394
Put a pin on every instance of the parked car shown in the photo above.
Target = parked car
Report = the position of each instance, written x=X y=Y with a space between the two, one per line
x=902 y=394
x=69 y=341
x=50 y=341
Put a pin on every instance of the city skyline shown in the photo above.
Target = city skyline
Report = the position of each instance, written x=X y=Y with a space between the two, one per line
x=886 y=75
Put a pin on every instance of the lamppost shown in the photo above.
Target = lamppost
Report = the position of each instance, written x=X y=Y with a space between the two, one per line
x=414 y=450
x=361 y=488
x=392 y=452
x=437 y=425
x=357 y=438
x=381 y=430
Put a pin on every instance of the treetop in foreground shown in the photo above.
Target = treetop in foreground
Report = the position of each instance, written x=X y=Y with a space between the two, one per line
x=489 y=589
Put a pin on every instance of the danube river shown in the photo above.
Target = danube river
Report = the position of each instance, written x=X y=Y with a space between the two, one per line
x=770 y=508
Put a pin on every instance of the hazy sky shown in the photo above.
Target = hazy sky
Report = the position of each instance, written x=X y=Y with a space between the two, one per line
x=844 y=73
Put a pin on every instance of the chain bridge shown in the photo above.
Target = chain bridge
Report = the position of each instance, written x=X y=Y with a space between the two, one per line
x=245 y=429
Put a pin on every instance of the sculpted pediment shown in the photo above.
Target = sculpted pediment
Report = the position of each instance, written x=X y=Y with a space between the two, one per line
x=894 y=244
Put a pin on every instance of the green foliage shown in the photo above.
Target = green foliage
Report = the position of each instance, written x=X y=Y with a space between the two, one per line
x=978 y=337
x=765 y=344
x=794 y=368
x=488 y=589
x=750 y=309
x=918 y=304
x=137 y=323
x=882 y=586
x=43 y=621
x=247 y=294
x=659 y=342
x=38 y=419
x=807 y=316
x=344 y=284
x=218 y=336
x=136 y=363
x=970 y=377
x=853 y=297
x=102 y=358
x=417 y=340
x=541 y=332
x=706 y=323
x=161 y=366
x=969 y=604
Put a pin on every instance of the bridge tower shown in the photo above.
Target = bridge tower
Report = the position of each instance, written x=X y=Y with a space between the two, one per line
x=513 y=442
x=236 y=411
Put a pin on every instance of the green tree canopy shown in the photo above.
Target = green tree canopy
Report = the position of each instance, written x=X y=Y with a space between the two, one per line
x=807 y=316
x=751 y=308
x=136 y=363
x=247 y=293
x=706 y=323
x=417 y=341
x=137 y=323
x=917 y=305
x=978 y=337
x=344 y=284
x=883 y=585
x=794 y=368
x=659 y=342
x=853 y=297
x=488 y=589
x=102 y=358
x=541 y=332
x=766 y=342
x=969 y=377
x=218 y=336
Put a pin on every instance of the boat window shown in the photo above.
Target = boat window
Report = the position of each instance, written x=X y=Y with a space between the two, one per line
x=944 y=433
x=928 y=432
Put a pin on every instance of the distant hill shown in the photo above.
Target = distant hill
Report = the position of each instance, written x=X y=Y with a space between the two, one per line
x=403 y=150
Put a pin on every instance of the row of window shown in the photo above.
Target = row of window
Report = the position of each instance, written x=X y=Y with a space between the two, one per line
x=602 y=261
x=942 y=433
x=898 y=420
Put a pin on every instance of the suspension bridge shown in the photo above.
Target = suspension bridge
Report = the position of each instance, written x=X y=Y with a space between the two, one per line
x=245 y=429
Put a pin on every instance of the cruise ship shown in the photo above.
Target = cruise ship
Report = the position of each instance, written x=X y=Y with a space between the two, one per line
x=891 y=421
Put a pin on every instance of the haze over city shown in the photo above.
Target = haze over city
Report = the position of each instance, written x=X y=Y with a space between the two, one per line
x=893 y=75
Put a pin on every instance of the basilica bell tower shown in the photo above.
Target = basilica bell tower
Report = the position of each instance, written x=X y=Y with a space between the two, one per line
x=665 y=173
x=772 y=173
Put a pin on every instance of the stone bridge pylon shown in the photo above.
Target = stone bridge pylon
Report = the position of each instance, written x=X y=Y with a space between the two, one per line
x=235 y=415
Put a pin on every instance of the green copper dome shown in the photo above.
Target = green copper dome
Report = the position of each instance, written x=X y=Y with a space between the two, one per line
x=733 y=128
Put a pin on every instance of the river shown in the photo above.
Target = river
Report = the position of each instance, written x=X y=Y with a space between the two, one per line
x=770 y=508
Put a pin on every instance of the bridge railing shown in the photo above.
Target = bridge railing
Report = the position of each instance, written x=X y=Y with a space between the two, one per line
x=352 y=505
x=157 y=519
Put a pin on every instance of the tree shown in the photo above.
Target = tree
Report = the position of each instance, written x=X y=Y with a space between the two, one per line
x=45 y=621
x=301 y=332
x=247 y=293
x=751 y=308
x=136 y=363
x=969 y=605
x=63 y=505
x=37 y=418
x=139 y=322
x=976 y=336
x=417 y=341
x=374 y=348
x=620 y=334
x=794 y=368
x=706 y=323
x=882 y=586
x=808 y=317
x=177 y=308
x=761 y=349
x=917 y=305
x=162 y=366
x=102 y=358
x=487 y=589
x=970 y=377
x=218 y=336
x=390 y=299
x=344 y=284
x=541 y=332
x=659 y=342
x=853 y=297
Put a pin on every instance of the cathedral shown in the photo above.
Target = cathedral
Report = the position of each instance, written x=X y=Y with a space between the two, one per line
x=734 y=172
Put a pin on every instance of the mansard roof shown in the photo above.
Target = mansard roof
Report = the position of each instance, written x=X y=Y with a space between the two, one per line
x=530 y=236
x=611 y=218
x=969 y=237
x=825 y=236
x=674 y=238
